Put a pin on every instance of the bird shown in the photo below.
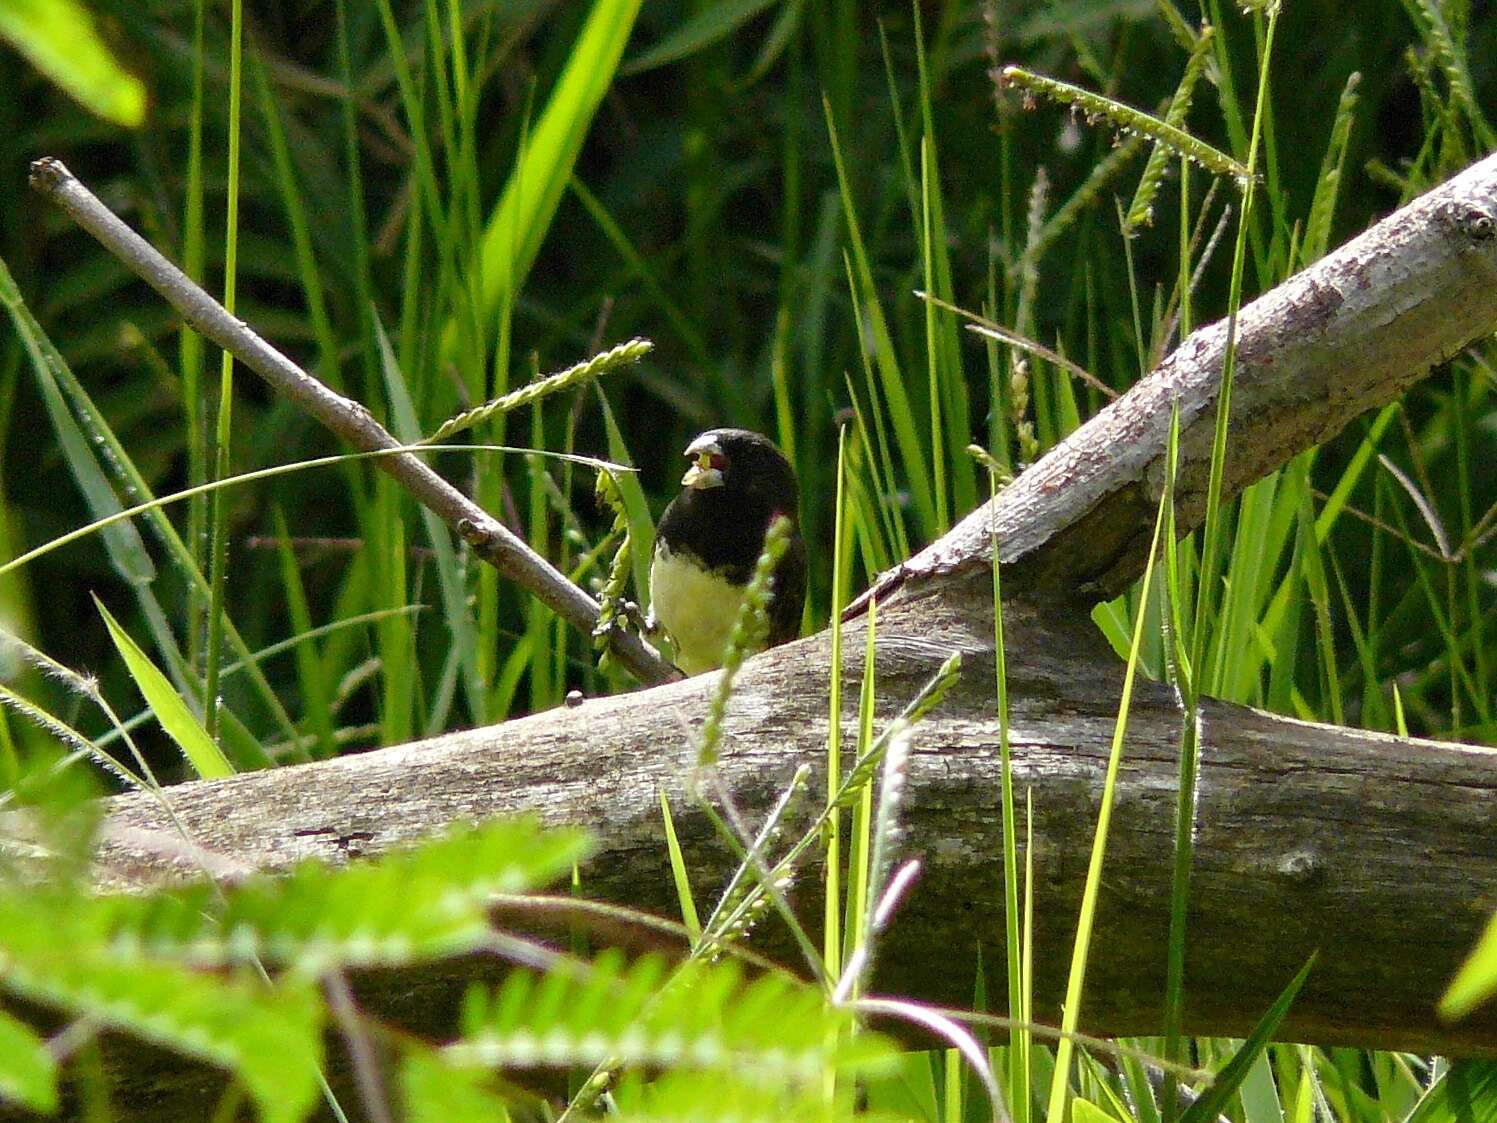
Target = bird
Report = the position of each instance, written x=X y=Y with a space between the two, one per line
x=710 y=538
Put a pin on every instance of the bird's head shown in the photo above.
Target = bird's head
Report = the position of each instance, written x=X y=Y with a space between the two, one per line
x=738 y=460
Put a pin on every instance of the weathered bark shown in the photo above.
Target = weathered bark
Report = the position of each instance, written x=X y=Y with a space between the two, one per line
x=1379 y=852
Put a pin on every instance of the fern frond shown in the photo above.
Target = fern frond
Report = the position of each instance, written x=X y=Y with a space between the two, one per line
x=770 y=1029
x=434 y=1091
x=52 y=952
x=428 y=902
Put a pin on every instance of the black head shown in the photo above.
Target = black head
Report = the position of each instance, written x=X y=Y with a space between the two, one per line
x=742 y=464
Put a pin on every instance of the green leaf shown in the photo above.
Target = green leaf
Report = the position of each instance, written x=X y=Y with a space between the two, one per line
x=679 y=872
x=1216 y=1098
x=1465 y=1094
x=1476 y=981
x=865 y=293
x=28 y=1074
x=58 y=37
x=437 y=1092
x=428 y=902
x=451 y=580
x=721 y=1097
x=641 y=526
x=514 y=232
x=708 y=26
x=1085 y=924
x=316 y=690
x=1084 y=1111
x=53 y=950
x=126 y=550
x=178 y=721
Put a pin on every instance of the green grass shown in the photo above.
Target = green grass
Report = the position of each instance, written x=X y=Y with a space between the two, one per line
x=430 y=203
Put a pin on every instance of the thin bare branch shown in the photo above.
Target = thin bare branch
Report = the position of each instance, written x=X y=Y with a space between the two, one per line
x=490 y=539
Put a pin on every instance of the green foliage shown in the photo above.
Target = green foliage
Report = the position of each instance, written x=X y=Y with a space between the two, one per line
x=611 y=599
x=1086 y=921
x=184 y=968
x=745 y=899
x=512 y=237
x=429 y=902
x=1476 y=982
x=705 y=1097
x=56 y=949
x=28 y=1072
x=679 y=872
x=1332 y=171
x=1126 y=119
x=1141 y=210
x=573 y=376
x=1468 y=1091
x=889 y=391
x=1235 y=1071
x=710 y=25
x=59 y=38
x=407 y=230
x=770 y=1030
x=926 y=700
x=435 y=1091
x=1084 y=1111
x=126 y=547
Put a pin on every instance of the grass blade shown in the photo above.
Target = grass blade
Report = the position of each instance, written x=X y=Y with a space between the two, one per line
x=1216 y=1098
x=512 y=237
x=181 y=726
x=1085 y=923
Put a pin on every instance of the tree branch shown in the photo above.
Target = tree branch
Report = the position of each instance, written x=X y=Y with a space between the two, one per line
x=1349 y=333
x=491 y=540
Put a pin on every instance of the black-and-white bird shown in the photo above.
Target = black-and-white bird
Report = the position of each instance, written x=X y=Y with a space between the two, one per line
x=710 y=538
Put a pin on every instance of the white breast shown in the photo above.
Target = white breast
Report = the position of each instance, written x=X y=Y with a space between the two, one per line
x=696 y=608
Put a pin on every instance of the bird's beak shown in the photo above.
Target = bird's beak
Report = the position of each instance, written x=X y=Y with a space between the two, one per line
x=706 y=470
